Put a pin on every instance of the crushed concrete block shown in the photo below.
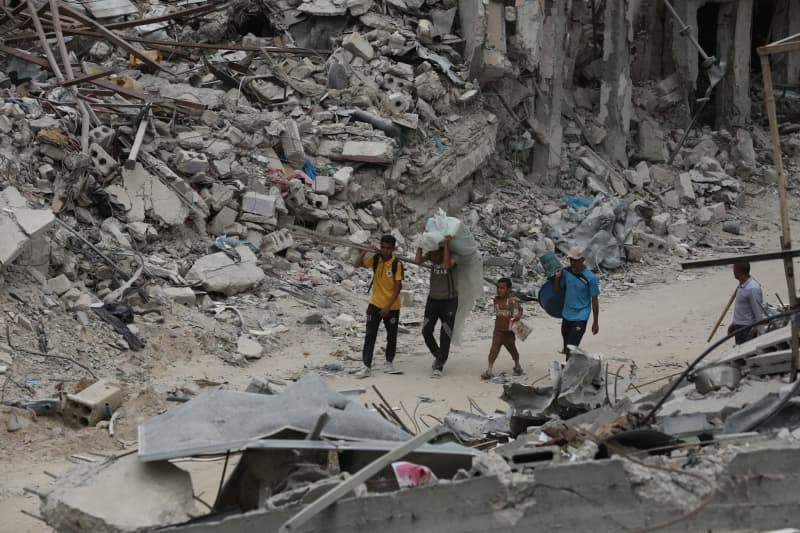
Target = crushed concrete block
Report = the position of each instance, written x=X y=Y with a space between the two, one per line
x=679 y=229
x=323 y=8
x=359 y=7
x=45 y=122
x=633 y=178
x=93 y=404
x=671 y=199
x=325 y=185
x=359 y=46
x=277 y=241
x=650 y=243
x=181 y=295
x=47 y=172
x=190 y=163
x=319 y=201
x=743 y=150
x=249 y=348
x=369 y=151
x=342 y=178
x=142 y=231
x=102 y=160
x=660 y=222
x=59 y=284
x=146 y=496
x=259 y=204
x=292 y=144
x=5 y=124
x=11 y=197
x=220 y=195
x=705 y=148
x=703 y=216
x=219 y=273
x=651 y=143
x=429 y=87
x=718 y=209
x=685 y=188
x=643 y=172
x=733 y=227
x=103 y=135
x=225 y=218
x=294 y=256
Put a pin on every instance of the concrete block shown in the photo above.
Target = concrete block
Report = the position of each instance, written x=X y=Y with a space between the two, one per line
x=93 y=404
x=332 y=227
x=718 y=210
x=685 y=188
x=223 y=219
x=292 y=144
x=249 y=348
x=220 y=195
x=359 y=46
x=5 y=124
x=649 y=242
x=219 y=273
x=59 y=284
x=47 y=172
x=679 y=229
x=342 y=178
x=650 y=140
x=703 y=216
x=319 y=201
x=53 y=152
x=671 y=200
x=181 y=295
x=369 y=151
x=142 y=231
x=659 y=223
x=11 y=197
x=190 y=163
x=325 y=185
x=102 y=135
x=259 y=204
x=102 y=160
x=277 y=241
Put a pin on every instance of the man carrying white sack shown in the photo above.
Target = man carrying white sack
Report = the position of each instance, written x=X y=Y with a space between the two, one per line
x=442 y=303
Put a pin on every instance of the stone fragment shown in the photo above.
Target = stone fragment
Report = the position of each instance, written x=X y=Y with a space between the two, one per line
x=222 y=220
x=718 y=209
x=359 y=46
x=190 y=163
x=369 y=151
x=660 y=222
x=685 y=188
x=249 y=348
x=219 y=273
x=732 y=226
x=679 y=228
x=292 y=144
x=703 y=216
x=325 y=185
x=651 y=143
x=259 y=204
x=59 y=284
x=181 y=295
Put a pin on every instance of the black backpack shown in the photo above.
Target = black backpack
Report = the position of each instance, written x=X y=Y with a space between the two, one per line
x=375 y=258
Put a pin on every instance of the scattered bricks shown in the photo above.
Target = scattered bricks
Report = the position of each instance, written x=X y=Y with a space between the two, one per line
x=47 y=172
x=277 y=241
x=718 y=210
x=325 y=185
x=649 y=243
x=685 y=188
x=59 y=284
x=356 y=44
x=659 y=223
x=102 y=161
x=319 y=201
x=190 y=163
x=103 y=135
x=181 y=295
x=258 y=204
x=369 y=151
x=679 y=229
x=93 y=404
x=292 y=144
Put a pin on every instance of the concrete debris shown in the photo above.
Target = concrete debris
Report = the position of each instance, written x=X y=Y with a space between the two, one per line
x=220 y=273
x=147 y=495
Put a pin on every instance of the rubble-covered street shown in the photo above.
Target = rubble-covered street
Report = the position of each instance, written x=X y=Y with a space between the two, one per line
x=184 y=188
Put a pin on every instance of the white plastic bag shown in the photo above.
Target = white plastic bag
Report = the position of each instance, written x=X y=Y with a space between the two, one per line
x=468 y=273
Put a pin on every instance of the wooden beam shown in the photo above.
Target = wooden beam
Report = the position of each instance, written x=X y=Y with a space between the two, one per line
x=88 y=77
x=752 y=258
x=130 y=163
x=778 y=48
x=25 y=56
x=786 y=236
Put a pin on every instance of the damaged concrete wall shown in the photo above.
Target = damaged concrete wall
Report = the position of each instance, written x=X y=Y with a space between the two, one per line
x=734 y=48
x=616 y=108
x=756 y=490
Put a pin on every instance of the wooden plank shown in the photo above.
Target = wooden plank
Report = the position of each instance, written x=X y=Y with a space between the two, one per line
x=109 y=8
x=776 y=339
x=130 y=163
x=88 y=77
x=751 y=258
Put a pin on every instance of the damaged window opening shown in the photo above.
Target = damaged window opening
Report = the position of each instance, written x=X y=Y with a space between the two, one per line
x=707 y=26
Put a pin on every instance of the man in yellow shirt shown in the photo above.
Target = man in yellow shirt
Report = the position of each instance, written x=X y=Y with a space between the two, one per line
x=384 y=304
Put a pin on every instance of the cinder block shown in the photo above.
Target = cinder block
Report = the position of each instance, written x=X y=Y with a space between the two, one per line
x=103 y=162
x=320 y=201
x=93 y=404
x=650 y=243
x=258 y=204
x=103 y=135
x=325 y=185
x=189 y=162
x=277 y=241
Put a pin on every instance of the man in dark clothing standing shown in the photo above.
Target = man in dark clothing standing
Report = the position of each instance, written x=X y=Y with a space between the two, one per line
x=442 y=303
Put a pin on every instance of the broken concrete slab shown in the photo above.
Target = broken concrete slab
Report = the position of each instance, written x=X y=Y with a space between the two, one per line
x=59 y=284
x=181 y=295
x=369 y=151
x=219 y=273
x=144 y=496
x=249 y=348
x=358 y=45
x=228 y=420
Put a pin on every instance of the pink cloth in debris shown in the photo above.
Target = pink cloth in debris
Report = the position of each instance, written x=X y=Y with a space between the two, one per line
x=413 y=475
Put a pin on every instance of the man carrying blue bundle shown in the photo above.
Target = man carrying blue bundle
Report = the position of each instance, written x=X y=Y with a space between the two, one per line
x=580 y=299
